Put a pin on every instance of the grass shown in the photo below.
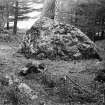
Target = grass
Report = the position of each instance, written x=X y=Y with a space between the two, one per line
x=12 y=96
x=101 y=46
x=81 y=72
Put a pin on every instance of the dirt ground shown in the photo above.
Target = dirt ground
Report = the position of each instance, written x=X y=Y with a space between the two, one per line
x=11 y=62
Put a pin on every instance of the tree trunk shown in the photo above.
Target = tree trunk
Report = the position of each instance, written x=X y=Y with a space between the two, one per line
x=7 y=17
x=15 y=18
x=2 y=20
x=65 y=11
x=49 y=9
x=7 y=25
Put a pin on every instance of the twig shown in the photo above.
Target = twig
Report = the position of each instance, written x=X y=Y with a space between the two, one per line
x=83 y=90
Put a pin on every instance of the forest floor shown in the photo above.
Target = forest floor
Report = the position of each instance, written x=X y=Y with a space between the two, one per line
x=11 y=62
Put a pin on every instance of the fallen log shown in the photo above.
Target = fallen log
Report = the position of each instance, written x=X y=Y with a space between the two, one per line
x=32 y=67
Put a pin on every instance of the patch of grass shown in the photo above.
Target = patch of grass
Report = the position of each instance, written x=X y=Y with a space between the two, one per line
x=101 y=48
x=81 y=71
x=10 y=95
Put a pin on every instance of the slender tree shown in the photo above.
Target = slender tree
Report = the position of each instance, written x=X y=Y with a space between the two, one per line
x=15 y=18
x=7 y=9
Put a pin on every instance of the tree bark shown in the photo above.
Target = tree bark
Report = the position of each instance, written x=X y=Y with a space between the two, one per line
x=15 y=18
x=49 y=9
x=7 y=17
x=65 y=11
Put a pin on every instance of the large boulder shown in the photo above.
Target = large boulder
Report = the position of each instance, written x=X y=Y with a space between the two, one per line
x=54 y=40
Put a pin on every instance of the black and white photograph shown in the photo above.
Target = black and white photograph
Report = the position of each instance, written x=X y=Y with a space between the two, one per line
x=52 y=52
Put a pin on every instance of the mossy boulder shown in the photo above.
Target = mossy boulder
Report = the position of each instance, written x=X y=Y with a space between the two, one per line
x=54 y=40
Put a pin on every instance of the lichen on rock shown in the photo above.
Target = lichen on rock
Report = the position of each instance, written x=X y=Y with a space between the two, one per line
x=52 y=39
